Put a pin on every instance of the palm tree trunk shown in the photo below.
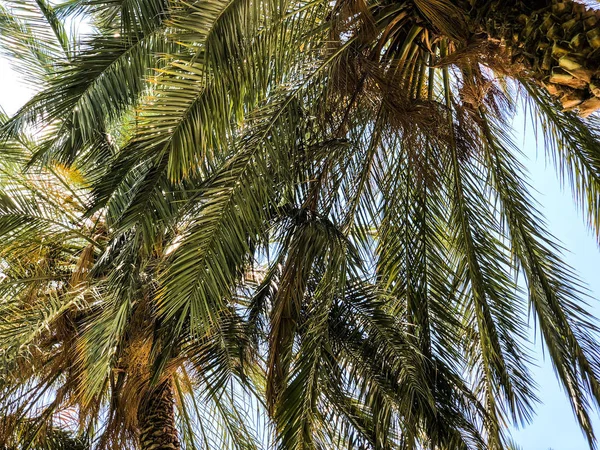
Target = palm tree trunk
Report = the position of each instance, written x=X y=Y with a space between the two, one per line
x=557 y=42
x=156 y=419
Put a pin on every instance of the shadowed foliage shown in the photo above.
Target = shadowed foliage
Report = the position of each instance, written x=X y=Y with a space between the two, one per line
x=292 y=224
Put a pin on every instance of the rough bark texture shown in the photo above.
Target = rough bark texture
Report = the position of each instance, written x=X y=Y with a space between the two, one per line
x=156 y=420
x=556 y=41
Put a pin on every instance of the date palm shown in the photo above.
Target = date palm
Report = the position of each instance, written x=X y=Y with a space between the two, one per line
x=340 y=178
x=79 y=330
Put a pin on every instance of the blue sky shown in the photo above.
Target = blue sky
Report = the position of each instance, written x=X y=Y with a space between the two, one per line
x=553 y=426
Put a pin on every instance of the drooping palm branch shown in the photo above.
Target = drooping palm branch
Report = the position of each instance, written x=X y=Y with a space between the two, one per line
x=356 y=156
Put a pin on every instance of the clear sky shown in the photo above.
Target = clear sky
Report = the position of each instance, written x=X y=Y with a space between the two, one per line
x=554 y=426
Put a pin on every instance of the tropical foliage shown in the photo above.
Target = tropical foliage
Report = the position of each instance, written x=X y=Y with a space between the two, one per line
x=291 y=223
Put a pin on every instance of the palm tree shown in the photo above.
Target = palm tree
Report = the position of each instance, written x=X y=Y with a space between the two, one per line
x=324 y=194
x=79 y=330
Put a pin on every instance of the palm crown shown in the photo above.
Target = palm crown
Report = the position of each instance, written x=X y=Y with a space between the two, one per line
x=310 y=208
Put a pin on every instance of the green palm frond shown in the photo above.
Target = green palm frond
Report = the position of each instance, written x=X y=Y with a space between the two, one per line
x=34 y=39
x=291 y=224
